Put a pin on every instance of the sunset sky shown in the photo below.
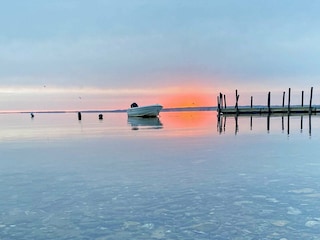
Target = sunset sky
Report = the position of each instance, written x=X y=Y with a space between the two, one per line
x=100 y=54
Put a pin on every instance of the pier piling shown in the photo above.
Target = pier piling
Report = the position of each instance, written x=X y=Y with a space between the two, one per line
x=310 y=104
x=268 y=109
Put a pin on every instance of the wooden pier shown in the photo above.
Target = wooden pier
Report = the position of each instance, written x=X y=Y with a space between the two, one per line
x=222 y=108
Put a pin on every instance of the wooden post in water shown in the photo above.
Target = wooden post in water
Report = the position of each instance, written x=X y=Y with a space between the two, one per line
x=302 y=97
x=221 y=100
x=283 y=98
x=79 y=116
x=225 y=101
x=251 y=102
x=218 y=105
x=269 y=101
x=289 y=99
x=237 y=99
x=310 y=105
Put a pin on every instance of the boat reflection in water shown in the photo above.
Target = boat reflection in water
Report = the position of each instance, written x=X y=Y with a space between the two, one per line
x=280 y=120
x=144 y=123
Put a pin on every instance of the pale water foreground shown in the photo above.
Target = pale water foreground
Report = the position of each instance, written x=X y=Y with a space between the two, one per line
x=177 y=177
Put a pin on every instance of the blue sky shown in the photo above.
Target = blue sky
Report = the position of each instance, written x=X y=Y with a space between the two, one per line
x=66 y=50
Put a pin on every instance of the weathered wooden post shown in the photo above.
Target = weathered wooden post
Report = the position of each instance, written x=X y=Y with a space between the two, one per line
x=221 y=100
x=269 y=101
x=225 y=101
x=302 y=97
x=79 y=116
x=289 y=99
x=218 y=105
x=283 y=98
x=310 y=104
x=237 y=99
x=251 y=104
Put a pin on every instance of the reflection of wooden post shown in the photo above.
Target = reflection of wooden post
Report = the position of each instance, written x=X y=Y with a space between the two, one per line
x=283 y=98
x=288 y=126
x=301 y=123
x=310 y=105
x=251 y=122
x=237 y=126
x=219 y=128
x=309 y=125
x=268 y=123
x=289 y=99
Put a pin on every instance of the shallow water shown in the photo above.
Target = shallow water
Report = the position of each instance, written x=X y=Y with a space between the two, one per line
x=182 y=176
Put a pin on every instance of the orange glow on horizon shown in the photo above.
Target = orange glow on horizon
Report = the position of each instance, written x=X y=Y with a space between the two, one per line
x=189 y=98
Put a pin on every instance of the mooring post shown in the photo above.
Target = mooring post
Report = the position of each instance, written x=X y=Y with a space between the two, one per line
x=79 y=116
x=225 y=101
x=310 y=105
x=283 y=98
x=218 y=105
x=221 y=100
x=251 y=102
x=100 y=116
x=269 y=101
x=302 y=97
x=289 y=99
x=237 y=99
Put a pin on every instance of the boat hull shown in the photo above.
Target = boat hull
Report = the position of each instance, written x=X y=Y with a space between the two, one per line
x=145 y=111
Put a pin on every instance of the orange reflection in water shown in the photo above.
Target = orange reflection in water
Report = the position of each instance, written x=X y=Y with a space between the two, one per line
x=189 y=119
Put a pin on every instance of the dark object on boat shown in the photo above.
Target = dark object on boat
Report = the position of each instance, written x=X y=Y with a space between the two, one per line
x=32 y=115
x=79 y=116
x=100 y=116
x=133 y=105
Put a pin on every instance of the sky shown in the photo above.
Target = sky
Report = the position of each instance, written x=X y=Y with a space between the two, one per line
x=106 y=54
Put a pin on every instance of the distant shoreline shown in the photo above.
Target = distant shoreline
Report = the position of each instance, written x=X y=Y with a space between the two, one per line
x=182 y=109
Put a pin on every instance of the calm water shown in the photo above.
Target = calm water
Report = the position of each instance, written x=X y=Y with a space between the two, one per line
x=182 y=176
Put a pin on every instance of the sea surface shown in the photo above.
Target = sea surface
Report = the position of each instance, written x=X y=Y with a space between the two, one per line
x=184 y=175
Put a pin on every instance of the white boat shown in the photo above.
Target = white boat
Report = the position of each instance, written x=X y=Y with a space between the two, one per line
x=144 y=111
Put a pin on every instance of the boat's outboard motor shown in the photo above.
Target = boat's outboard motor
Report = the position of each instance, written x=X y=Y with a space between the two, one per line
x=133 y=105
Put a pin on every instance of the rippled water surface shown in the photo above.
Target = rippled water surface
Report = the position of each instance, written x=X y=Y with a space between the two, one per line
x=184 y=175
